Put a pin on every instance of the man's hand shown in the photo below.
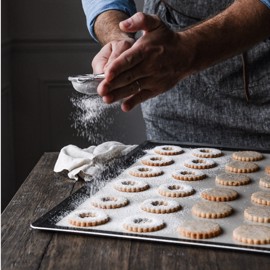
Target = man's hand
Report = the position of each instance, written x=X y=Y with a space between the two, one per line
x=151 y=65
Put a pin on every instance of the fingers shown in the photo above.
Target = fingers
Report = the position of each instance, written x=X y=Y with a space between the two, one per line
x=140 y=21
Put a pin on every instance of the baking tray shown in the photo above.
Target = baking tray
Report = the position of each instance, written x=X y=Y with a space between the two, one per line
x=54 y=220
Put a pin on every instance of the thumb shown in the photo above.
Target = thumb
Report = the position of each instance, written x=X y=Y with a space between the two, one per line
x=140 y=21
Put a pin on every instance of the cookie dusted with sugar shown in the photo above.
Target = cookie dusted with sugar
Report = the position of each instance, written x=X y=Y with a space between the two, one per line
x=247 y=156
x=258 y=214
x=155 y=160
x=232 y=179
x=168 y=150
x=261 y=197
x=143 y=224
x=199 y=229
x=160 y=206
x=219 y=194
x=265 y=182
x=200 y=163
x=88 y=218
x=252 y=234
x=207 y=209
x=206 y=152
x=188 y=175
x=130 y=185
x=241 y=167
x=109 y=202
x=144 y=171
x=175 y=190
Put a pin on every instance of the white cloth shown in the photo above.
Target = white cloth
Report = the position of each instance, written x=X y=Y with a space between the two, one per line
x=89 y=161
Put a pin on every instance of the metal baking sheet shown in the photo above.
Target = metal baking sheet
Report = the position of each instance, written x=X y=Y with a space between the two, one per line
x=56 y=219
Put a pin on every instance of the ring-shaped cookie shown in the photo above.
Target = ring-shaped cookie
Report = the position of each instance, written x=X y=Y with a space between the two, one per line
x=160 y=206
x=206 y=152
x=130 y=185
x=155 y=160
x=143 y=224
x=88 y=218
x=188 y=175
x=175 y=190
x=199 y=163
x=108 y=202
x=168 y=150
x=144 y=171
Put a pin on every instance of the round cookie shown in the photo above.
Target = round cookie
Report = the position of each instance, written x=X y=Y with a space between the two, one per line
x=261 y=197
x=232 y=179
x=143 y=171
x=199 y=163
x=258 y=214
x=219 y=194
x=126 y=185
x=160 y=206
x=88 y=218
x=252 y=234
x=175 y=190
x=199 y=229
x=155 y=160
x=267 y=169
x=207 y=209
x=247 y=156
x=241 y=167
x=206 y=152
x=108 y=202
x=143 y=224
x=188 y=175
x=168 y=150
x=265 y=182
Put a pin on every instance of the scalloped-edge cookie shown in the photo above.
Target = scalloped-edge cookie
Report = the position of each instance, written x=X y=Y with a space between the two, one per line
x=188 y=175
x=200 y=163
x=160 y=206
x=232 y=179
x=247 y=156
x=168 y=150
x=144 y=171
x=206 y=152
x=109 y=202
x=265 y=181
x=219 y=194
x=155 y=160
x=175 y=190
x=258 y=214
x=130 y=185
x=241 y=167
x=261 y=197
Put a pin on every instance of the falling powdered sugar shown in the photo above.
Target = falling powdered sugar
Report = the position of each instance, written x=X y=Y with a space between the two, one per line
x=92 y=117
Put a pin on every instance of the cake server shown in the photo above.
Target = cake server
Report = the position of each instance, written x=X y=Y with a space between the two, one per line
x=87 y=83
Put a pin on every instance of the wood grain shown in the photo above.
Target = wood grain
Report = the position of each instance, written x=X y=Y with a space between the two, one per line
x=25 y=248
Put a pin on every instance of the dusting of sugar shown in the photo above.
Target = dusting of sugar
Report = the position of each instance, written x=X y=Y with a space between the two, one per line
x=92 y=118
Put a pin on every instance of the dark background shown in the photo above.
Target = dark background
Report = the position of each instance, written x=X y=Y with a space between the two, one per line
x=43 y=42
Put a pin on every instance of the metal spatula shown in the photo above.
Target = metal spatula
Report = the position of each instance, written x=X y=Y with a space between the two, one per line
x=87 y=83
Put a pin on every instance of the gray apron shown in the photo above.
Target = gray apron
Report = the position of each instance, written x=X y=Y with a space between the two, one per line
x=211 y=106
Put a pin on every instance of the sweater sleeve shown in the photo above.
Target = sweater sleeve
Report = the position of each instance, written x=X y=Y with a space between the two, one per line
x=92 y=8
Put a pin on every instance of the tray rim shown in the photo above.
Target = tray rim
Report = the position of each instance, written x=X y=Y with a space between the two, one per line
x=44 y=223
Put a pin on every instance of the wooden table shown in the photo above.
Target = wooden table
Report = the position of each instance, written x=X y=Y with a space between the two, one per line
x=25 y=248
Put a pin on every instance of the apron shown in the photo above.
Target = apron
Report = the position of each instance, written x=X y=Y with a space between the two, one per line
x=211 y=107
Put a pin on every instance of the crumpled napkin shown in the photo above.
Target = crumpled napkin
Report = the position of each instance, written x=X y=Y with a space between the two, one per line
x=89 y=161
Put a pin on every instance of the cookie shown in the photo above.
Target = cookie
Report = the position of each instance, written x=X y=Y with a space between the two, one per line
x=199 y=229
x=232 y=179
x=199 y=163
x=143 y=171
x=258 y=214
x=247 y=156
x=188 y=175
x=265 y=182
x=108 y=202
x=241 y=167
x=175 y=190
x=160 y=206
x=143 y=224
x=219 y=194
x=252 y=234
x=207 y=209
x=267 y=169
x=155 y=160
x=168 y=150
x=261 y=197
x=88 y=218
x=126 y=185
x=206 y=152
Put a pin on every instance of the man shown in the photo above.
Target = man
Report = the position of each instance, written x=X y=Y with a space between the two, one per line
x=200 y=69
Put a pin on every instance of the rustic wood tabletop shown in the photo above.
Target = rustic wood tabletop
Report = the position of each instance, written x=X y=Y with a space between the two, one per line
x=26 y=248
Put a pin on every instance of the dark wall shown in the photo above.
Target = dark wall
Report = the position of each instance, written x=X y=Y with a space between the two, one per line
x=43 y=42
